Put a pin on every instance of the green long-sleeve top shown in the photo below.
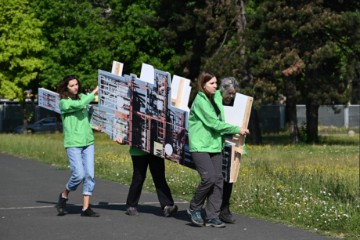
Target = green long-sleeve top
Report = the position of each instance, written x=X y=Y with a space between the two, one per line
x=205 y=127
x=75 y=118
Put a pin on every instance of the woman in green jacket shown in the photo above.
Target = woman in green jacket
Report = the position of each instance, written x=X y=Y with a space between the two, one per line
x=206 y=127
x=78 y=142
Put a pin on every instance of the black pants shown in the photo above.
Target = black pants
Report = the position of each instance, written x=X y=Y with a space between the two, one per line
x=227 y=189
x=157 y=170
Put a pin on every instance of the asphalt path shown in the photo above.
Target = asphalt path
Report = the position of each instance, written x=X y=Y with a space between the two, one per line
x=29 y=191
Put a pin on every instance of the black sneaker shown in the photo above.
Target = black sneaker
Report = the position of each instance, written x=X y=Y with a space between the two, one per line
x=170 y=210
x=215 y=222
x=89 y=213
x=132 y=211
x=61 y=205
x=196 y=217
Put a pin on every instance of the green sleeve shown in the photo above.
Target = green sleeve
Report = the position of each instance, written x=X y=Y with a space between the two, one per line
x=204 y=112
x=69 y=105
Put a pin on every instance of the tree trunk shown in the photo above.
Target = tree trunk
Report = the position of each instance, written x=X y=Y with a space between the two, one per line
x=241 y=24
x=254 y=128
x=25 y=122
x=290 y=110
x=312 y=121
x=291 y=121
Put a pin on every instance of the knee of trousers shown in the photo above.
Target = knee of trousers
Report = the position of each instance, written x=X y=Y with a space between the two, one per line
x=209 y=181
x=138 y=178
x=88 y=178
x=78 y=178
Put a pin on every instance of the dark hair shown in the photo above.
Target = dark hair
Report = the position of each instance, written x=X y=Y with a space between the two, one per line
x=63 y=87
x=203 y=78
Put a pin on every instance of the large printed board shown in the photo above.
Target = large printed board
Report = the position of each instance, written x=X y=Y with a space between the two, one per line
x=140 y=112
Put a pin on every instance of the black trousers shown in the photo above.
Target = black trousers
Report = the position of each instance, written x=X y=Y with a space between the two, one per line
x=227 y=189
x=157 y=170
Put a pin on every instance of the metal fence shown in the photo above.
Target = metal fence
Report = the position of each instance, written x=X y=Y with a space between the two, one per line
x=337 y=116
x=272 y=118
x=12 y=115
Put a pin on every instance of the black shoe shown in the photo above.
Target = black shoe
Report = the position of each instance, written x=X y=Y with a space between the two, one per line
x=89 y=213
x=226 y=216
x=61 y=205
x=132 y=211
x=170 y=210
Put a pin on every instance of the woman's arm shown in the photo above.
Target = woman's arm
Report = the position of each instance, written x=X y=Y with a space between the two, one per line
x=206 y=114
x=69 y=105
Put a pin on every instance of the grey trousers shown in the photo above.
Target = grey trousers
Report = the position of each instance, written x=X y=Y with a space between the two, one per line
x=209 y=166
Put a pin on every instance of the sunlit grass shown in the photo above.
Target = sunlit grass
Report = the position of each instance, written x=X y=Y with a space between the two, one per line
x=315 y=187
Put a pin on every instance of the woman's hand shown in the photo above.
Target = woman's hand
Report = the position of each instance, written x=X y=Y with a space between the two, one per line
x=95 y=91
x=244 y=131
x=98 y=128
x=119 y=140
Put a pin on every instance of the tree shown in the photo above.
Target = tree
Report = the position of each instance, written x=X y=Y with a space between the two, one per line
x=178 y=32
x=137 y=36
x=20 y=45
x=300 y=52
x=77 y=40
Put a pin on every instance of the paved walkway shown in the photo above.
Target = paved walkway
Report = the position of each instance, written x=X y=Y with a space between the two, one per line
x=29 y=191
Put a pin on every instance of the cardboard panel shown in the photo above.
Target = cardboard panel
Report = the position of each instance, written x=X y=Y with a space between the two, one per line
x=49 y=99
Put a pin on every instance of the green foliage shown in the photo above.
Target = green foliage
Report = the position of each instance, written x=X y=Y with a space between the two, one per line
x=20 y=45
x=136 y=37
x=144 y=33
x=77 y=40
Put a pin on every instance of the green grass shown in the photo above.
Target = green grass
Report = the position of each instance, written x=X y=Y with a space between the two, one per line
x=315 y=187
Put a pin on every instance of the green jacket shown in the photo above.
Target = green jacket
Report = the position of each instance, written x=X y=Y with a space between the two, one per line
x=75 y=118
x=205 y=127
